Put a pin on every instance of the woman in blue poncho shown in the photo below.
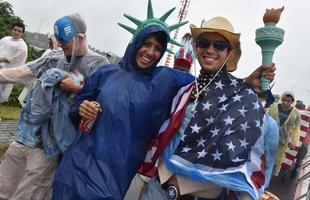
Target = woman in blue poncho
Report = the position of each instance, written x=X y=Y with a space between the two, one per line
x=135 y=96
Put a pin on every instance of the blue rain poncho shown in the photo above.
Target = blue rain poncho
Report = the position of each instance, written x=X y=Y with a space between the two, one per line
x=135 y=102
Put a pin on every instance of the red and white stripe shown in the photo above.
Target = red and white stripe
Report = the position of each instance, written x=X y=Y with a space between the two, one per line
x=166 y=132
x=291 y=154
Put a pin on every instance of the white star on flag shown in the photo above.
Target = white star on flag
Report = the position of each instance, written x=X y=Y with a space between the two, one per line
x=234 y=82
x=237 y=160
x=231 y=146
x=228 y=120
x=219 y=85
x=193 y=114
x=250 y=91
x=201 y=142
x=223 y=108
x=242 y=111
x=206 y=105
x=222 y=98
x=228 y=131
x=183 y=137
x=215 y=131
x=210 y=120
x=257 y=123
x=195 y=128
x=216 y=155
x=243 y=143
x=202 y=154
x=244 y=126
x=237 y=98
x=256 y=105
x=186 y=149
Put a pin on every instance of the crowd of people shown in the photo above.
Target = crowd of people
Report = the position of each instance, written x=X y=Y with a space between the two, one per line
x=204 y=137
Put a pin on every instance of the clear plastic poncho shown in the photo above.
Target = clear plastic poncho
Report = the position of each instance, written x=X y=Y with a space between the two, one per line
x=22 y=74
x=15 y=51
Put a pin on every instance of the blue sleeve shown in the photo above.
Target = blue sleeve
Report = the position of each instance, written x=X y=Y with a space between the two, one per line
x=269 y=98
x=88 y=92
x=182 y=78
x=271 y=141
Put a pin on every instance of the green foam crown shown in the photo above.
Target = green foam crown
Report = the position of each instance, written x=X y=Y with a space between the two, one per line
x=152 y=20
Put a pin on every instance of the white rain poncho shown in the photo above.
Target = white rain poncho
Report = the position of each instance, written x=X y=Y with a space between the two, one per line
x=15 y=51
x=22 y=74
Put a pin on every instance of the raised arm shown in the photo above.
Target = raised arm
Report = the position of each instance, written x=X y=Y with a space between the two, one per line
x=253 y=80
x=20 y=74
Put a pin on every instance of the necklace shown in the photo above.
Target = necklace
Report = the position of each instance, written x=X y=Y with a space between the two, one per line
x=198 y=92
x=202 y=80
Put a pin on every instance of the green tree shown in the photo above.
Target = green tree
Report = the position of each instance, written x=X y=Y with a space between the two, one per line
x=7 y=18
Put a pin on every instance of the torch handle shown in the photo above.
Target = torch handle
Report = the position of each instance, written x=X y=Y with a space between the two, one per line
x=264 y=83
x=267 y=59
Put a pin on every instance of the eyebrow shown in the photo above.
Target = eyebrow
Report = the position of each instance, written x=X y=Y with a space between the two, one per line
x=15 y=29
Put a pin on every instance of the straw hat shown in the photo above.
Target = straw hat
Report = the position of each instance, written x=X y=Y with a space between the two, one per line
x=223 y=27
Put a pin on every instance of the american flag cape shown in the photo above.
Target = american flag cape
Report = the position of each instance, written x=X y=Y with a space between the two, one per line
x=251 y=171
x=290 y=154
x=166 y=132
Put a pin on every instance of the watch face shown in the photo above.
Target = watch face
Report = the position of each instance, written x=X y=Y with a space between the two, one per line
x=172 y=192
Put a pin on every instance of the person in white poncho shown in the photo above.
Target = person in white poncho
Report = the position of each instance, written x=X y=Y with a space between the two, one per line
x=13 y=53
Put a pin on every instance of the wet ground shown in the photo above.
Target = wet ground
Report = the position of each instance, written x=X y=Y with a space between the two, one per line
x=7 y=131
x=283 y=187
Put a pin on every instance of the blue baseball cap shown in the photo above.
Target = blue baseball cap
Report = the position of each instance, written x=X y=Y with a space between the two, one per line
x=67 y=27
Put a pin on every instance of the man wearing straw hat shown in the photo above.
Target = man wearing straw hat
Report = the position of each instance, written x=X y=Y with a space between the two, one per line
x=220 y=142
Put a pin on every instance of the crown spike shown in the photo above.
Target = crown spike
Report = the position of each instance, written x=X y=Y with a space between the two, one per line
x=166 y=15
x=152 y=20
x=172 y=41
x=129 y=29
x=150 y=13
x=170 y=51
x=175 y=26
x=134 y=20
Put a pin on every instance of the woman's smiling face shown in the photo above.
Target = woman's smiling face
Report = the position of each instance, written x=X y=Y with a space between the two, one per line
x=148 y=53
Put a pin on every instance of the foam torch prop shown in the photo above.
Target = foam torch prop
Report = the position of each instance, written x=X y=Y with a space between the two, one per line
x=269 y=38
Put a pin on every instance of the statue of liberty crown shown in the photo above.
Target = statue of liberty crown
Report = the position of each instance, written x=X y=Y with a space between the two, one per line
x=152 y=20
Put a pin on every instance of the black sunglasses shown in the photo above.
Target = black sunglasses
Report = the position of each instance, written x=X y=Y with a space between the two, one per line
x=218 y=44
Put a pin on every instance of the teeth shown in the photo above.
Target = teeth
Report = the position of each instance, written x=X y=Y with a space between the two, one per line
x=210 y=59
x=145 y=59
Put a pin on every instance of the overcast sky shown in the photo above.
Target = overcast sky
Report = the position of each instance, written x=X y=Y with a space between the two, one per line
x=293 y=70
